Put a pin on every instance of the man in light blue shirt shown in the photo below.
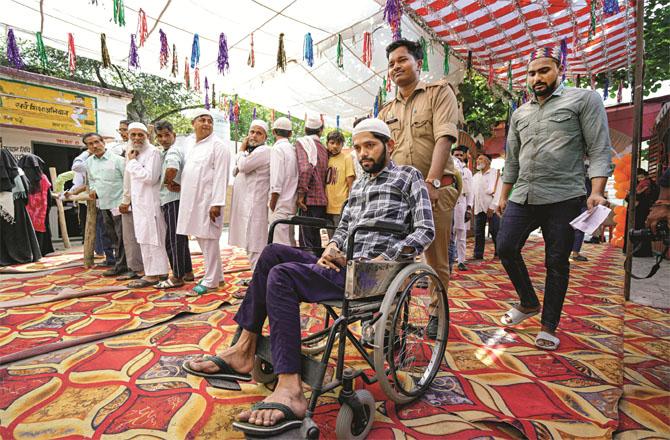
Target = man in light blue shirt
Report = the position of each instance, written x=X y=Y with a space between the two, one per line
x=105 y=180
x=176 y=245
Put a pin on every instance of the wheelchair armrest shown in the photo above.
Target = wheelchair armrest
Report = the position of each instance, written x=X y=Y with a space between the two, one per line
x=385 y=226
x=310 y=221
x=376 y=226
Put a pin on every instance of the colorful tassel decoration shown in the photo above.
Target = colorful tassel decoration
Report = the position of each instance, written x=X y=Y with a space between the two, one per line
x=367 y=49
x=231 y=114
x=393 y=15
x=253 y=113
x=606 y=88
x=41 y=50
x=308 y=50
x=175 y=62
x=187 y=74
x=340 y=53
x=236 y=111
x=337 y=122
x=133 y=56
x=213 y=95
x=619 y=92
x=388 y=82
x=196 y=79
x=446 y=58
x=251 y=61
x=375 y=109
x=424 y=51
x=222 y=59
x=206 y=94
x=104 y=53
x=142 y=31
x=510 y=77
x=281 y=54
x=195 y=51
x=469 y=64
x=72 y=55
x=610 y=7
x=592 y=27
x=119 y=13
x=385 y=88
x=165 y=49
x=13 y=54
x=564 y=57
x=272 y=115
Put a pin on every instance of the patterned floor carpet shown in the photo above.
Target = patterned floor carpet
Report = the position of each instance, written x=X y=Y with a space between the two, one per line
x=494 y=384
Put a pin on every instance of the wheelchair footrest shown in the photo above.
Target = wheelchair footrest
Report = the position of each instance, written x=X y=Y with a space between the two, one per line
x=224 y=384
x=312 y=371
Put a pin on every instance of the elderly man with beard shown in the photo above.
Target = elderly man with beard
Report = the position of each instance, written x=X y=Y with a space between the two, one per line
x=549 y=137
x=249 y=213
x=286 y=276
x=204 y=182
x=144 y=168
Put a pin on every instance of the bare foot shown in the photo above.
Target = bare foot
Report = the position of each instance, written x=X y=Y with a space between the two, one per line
x=237 y=358
x=270 y=417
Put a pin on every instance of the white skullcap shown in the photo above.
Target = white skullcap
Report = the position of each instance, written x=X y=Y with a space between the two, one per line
x=200 y=112
x=313 y=122
x=260 y=123
x=373 y=125
x=282 y=124
x=138 y=126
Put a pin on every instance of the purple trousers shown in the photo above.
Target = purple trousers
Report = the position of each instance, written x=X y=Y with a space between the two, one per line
x=284 y=277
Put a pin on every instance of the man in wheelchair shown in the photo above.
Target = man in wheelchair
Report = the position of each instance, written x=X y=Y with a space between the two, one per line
x=285 y=276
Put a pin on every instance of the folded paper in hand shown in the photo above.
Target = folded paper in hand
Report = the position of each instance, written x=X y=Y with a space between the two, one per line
x=588 y=222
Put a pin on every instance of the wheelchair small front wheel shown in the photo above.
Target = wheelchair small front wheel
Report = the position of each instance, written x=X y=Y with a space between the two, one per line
x=262 y=372
x=348 y=425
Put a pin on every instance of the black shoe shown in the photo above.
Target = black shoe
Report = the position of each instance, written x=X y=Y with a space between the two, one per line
x=431 y=328
x=114 y=272
x=579 y=258
x=462 y=267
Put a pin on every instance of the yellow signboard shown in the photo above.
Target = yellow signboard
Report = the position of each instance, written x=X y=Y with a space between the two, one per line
x=46 y=108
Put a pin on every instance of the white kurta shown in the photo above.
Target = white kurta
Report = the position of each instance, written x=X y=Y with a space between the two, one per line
x=249 y=213
x=283 y=181
x=486 y=188
x=465 y=199
x=204 y=181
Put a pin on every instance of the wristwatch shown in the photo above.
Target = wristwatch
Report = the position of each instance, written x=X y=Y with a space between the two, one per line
x=435 y=182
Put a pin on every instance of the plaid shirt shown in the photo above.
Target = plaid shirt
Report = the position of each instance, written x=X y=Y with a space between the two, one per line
x=398 y=195
x=312 y=179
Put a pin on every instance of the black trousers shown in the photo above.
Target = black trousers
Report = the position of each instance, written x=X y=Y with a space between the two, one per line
x=311 y=237
x=176 y=245
x=114 y=229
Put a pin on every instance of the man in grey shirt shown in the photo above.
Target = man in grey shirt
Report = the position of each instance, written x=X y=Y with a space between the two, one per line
x=549 y=137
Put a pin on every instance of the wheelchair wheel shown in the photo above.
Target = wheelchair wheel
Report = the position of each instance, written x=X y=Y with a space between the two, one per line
x=406 y=359
x=262 y=372
x=348 y=426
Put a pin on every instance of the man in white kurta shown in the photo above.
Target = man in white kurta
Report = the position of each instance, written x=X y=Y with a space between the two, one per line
x=487 y=187
x=463 y=208
x=249 y=213
x=144 y=168
x=283 y=181
x=204 y=182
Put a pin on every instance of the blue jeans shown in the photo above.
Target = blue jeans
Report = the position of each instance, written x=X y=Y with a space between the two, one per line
x=516 y=225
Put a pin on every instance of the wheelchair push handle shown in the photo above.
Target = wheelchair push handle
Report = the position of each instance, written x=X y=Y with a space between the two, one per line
x=310 y=222
x=376 y=226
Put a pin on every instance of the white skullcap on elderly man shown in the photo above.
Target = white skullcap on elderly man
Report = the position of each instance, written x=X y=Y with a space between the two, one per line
x=372 y=125
x=200 y=112
x=138 y=126
x=260 y=124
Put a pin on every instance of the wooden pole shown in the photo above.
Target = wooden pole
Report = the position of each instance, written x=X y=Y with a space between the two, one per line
x=89 y=233
x=61 y=212
x=638 y=104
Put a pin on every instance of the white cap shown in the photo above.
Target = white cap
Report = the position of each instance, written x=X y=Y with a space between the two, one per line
x=200 y=112
x=373 y=125
x=282 y=124
x=313 y=122
x=138 y=126
x=260 y=123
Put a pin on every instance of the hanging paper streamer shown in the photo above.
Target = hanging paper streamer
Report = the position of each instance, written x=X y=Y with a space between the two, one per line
x=142 y=32
x=236 y=111
x=119 y=13
x=133 y=56
x=175 y=62
x=308 y=50
x=251 y=61
x=187 y=74
x=375 y=110
x=13 y=54
x=469 y=64
x=253 y=113
x=367 y=49
x=592 y=27
x=195 y=51
x=606 y=88
x=340 y=53
x=165 y=49
x=71 y=53
x=393 y=15
x=281 y=54
x=610 y=7
x=231 y=114
x=222 y=59
x=384 y=90
x=619 y=92
x=41 y=50
x=564 y=57
x=491 y=75
x=337 y=121
x=196 y=79
x=206 y=94
x=446 y=58
x=424 y=51
x=213 y=95
x=104 y=53
x=388 y=82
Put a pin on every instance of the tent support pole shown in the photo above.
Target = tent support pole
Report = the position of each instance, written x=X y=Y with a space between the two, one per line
x=636 y=146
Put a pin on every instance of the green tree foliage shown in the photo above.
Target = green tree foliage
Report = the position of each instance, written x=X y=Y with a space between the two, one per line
x=481 y=108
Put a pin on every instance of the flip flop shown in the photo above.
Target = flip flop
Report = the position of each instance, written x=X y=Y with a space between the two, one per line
x=553 y=341
x=199 y=289
x=128 y=276
x=226 y=372
x=514 y=316
x=138 y=284
x=290 y=421
x=168 y=284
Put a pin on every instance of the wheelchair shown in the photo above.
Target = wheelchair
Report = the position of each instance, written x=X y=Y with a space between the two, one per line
x=392 y=302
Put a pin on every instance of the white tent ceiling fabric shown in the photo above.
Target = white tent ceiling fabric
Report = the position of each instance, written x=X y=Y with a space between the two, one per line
x=323 y=88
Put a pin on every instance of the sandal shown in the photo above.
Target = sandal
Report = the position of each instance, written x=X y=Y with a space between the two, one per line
x=138 y=284
x=514 y=316
x=169 y=284
x=225 y=372
x=200 y=289
x=128 y=276
x=551 y=342
x=290 y=421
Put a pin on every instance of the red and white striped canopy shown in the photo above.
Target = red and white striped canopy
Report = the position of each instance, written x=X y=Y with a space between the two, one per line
x=502 y=32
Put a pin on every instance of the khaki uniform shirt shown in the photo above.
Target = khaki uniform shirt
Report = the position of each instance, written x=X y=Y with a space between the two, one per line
x=417 y=123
